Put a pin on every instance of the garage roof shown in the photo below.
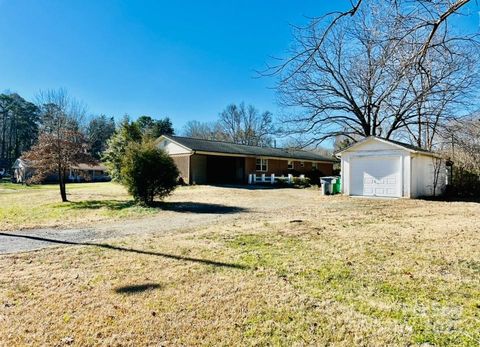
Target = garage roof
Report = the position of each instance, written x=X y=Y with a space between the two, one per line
x=408 y=147
x=234 y=148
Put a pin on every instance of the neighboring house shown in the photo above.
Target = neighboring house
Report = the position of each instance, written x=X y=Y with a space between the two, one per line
x=23 y=170
x=378 y=167
x=210 y=162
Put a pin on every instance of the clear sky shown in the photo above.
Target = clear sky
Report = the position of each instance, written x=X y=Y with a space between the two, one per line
x=182 y=59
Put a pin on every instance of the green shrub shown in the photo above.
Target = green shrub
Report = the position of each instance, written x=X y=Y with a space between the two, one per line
x=297 y=182
x=148 y=172
x=301 y=182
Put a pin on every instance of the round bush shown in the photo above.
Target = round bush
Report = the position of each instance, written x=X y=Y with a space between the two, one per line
x=148 y=172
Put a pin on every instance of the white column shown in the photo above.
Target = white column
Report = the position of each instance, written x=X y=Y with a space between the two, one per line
x=249 y=178
x=272 y=179
x=263 y=178
x=342 y=176
x=254 y=178
x=290 y=178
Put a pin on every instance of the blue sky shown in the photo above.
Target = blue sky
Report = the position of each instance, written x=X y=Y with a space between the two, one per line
x=182 y=59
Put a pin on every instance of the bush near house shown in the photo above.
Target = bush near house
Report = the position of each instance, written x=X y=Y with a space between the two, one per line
x=148 y=172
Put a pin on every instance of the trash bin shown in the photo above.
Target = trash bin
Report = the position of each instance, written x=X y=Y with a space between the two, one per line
x=327 y=184
x=337 y=186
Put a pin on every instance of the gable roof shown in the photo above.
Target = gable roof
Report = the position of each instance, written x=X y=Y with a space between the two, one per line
x=247 y=150
x=403 y=145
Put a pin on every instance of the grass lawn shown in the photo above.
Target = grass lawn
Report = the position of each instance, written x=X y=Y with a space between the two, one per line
x=23 y=207
x=327 y=270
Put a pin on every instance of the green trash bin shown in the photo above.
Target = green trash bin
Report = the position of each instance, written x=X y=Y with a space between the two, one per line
x=337 y=186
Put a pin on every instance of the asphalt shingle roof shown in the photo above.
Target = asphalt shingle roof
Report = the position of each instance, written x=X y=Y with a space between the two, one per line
x=233 y=148
x=409 y=146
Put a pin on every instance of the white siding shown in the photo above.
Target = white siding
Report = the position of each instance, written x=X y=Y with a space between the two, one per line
x=423 y=170
x=172 y=148
x=375 y=145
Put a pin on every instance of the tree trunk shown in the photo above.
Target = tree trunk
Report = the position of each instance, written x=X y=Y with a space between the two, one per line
x=61 y=181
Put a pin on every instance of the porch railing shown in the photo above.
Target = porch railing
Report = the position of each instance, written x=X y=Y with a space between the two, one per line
x=272 y=179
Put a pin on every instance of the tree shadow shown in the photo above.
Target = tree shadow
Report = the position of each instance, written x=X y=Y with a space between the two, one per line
x=183 y=207
x=199 y=207
x=98 y=204
x=135 y=289
x=132 y=250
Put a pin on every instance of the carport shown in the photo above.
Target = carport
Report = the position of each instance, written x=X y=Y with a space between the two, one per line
x=223 y=169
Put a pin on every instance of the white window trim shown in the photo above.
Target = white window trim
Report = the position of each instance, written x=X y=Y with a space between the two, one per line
x=314 y=165
x=290 y=165
x=262 y=163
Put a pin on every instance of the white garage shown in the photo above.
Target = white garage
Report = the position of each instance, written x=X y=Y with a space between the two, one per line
x=383 y=168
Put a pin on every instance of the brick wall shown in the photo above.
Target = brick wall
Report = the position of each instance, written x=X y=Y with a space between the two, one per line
x=280 y=167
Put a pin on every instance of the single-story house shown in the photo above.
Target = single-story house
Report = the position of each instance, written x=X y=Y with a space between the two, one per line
x=24 y=169
x=378 y=167
x=210 y=162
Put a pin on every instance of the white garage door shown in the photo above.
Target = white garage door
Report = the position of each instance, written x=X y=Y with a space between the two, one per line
x=375 y=176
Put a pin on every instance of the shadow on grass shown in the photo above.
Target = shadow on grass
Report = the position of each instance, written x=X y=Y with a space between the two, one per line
x=185 y=207
x=98 y=204
x=452 y=198
x=132 y=250
x=135 y=289
x=198 y=207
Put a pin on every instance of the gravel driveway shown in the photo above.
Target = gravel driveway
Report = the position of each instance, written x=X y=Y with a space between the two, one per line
x=13 y=242
x=187 y=209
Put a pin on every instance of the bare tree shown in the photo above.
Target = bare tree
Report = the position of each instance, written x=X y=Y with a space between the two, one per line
x=461 y=139
x=60 y=144
x=437 y=167
x=201 y=130
x=390 y=68
x=237 y=123
x=246 y=125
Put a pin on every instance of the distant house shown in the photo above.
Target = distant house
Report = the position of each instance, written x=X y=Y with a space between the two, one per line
x=378 y=167
x=210 y=162
x=23 y=170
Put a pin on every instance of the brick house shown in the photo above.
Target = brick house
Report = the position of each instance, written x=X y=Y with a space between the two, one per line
x=210 y=162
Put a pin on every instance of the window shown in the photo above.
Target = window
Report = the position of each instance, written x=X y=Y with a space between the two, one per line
x=290 y=164
x=314 y=166
x=302 y=164
x=262 y=164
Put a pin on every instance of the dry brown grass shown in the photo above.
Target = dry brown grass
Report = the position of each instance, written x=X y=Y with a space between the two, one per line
x=321 y=270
